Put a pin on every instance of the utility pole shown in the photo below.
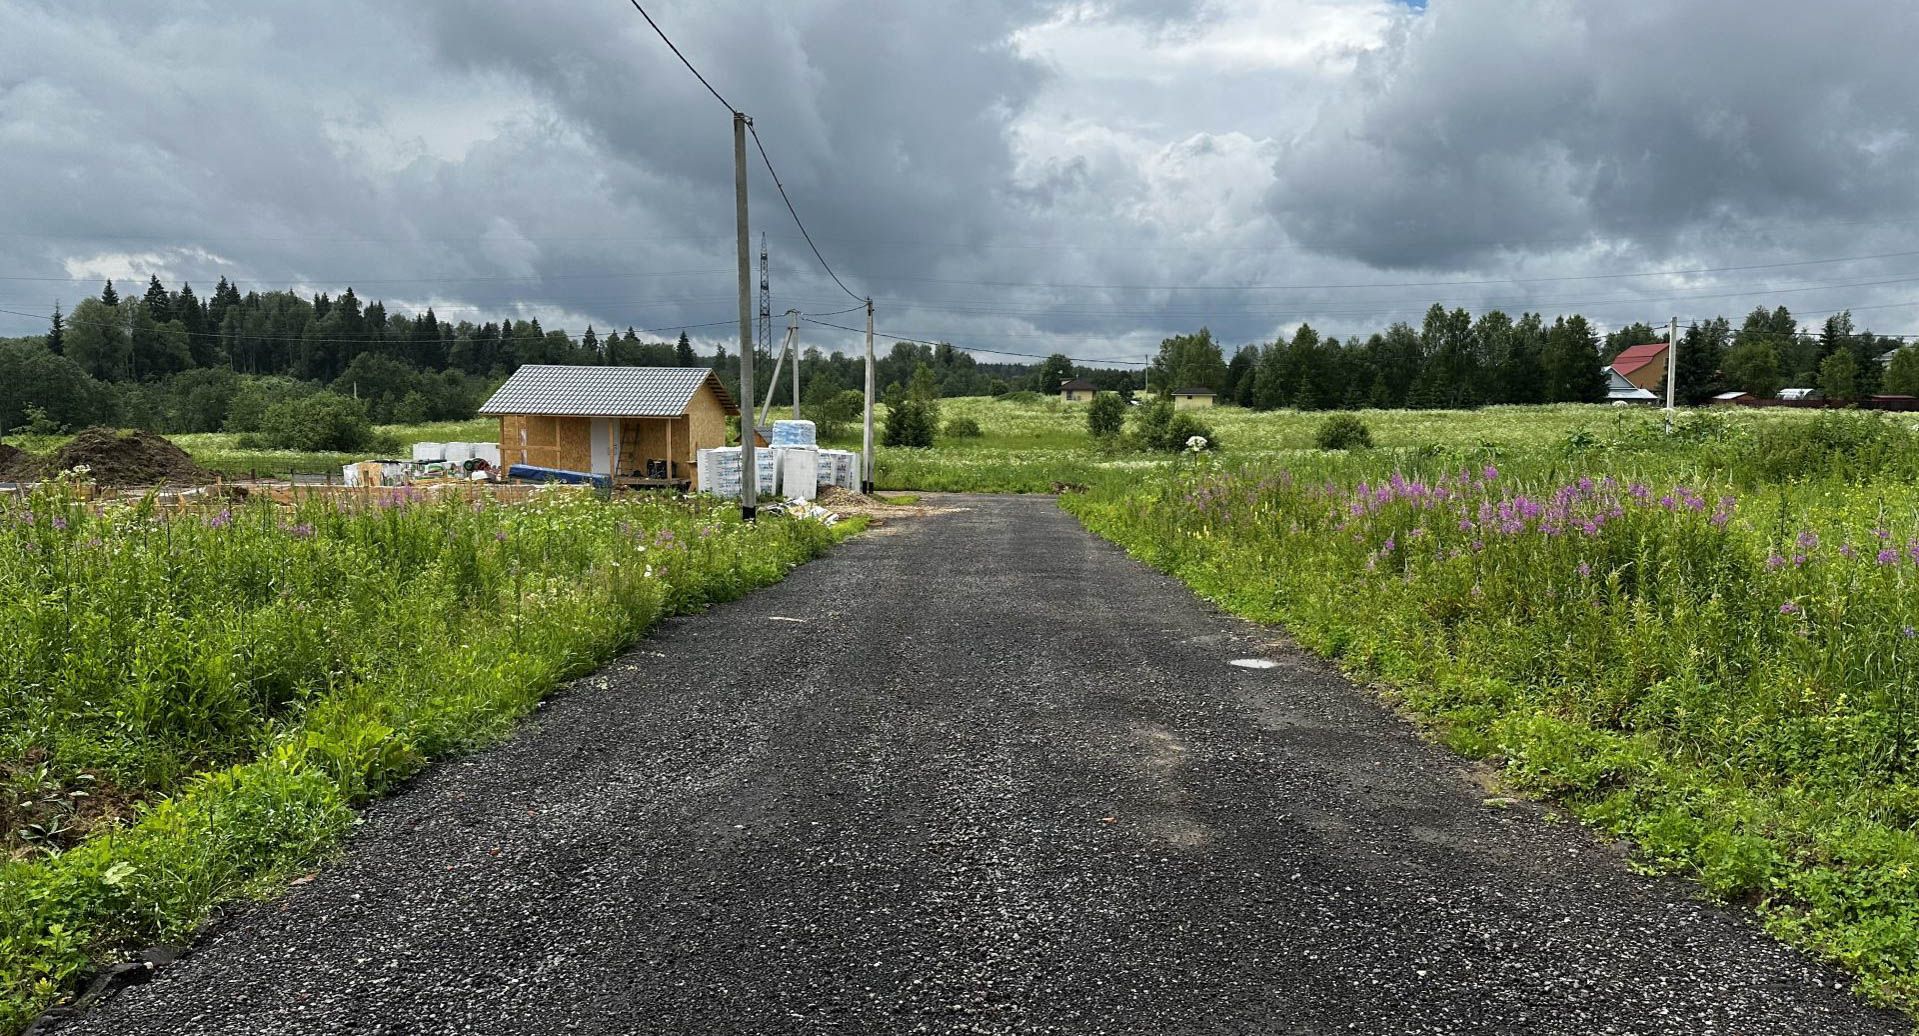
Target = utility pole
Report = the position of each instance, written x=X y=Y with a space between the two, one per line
x=749 y=469
x=793 y=343
x=866 y=455
x=1672 y=367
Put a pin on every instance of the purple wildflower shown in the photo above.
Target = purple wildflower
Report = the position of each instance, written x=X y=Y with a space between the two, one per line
x=1775 y=561
x=1886 y=556
x=302 y=531
x=1789 y=608
x=1846 y=550
x=221 y=520
x=59 y=523
x=1808 y=539
x=1584 y=568
x=1908 y=632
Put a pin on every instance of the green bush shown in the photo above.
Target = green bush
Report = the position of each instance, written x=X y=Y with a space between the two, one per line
x=1020 y=396
x=1841 y=444
x=1106 y=416
x=323 y=422
x=1343 y=432
x=962 y=428
x=911 y=423
x=1164 y=429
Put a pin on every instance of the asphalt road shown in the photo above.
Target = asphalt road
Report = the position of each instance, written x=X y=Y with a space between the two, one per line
x=979 y=773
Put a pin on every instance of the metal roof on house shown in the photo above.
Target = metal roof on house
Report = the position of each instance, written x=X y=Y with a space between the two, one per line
x=1638 y=356
x=1196 y=390
x=604 y=391
x=1634 y=393
x=1078 y=385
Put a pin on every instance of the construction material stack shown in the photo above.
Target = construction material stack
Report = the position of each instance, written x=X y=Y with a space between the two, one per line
x=792 y=465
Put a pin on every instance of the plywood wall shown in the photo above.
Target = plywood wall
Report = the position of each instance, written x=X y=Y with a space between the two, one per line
x=546 y=441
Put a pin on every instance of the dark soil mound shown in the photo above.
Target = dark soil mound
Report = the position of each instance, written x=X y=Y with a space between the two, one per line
x=10 y=458
x=115 y=458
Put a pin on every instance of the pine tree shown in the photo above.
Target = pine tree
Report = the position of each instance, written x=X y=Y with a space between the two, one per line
x=590 y=344
x=159 y=307
x=682 y=351
x=108 y=296
x=57 y=332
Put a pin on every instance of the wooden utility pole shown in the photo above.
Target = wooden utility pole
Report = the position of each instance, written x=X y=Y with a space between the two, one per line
x=749 y=470
x=866 y=455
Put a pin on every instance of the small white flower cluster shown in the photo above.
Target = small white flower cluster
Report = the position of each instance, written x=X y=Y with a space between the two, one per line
x=1196 y=444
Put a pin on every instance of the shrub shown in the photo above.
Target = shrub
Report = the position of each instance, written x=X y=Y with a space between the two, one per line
x=1021 y=396
x=1344 y=432
x=323 y=422
x=962 y=428
x=911 y=423
x=1106 y=417
x=1166 y=430
x=1846 y=445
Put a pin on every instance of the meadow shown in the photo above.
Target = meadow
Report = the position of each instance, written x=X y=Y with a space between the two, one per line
x=192 y=705
x=1707 y=644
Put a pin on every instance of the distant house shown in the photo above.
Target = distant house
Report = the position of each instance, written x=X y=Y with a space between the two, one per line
x=1621 y=390
x=1195 y=398
x=1644 y=366
x=635 y=424
x=1800 y=393
x=1735 y=397
x=1078 y=390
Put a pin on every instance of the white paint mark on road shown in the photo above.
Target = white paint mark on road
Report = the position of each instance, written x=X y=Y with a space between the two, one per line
x=1254 y=663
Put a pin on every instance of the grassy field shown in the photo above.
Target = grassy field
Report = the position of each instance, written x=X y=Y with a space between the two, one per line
x=1035 y=447
x=1705 y=644
x=191 y=706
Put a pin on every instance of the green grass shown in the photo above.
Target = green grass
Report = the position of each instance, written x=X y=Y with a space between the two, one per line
x=1721 y=667
x=1041 y=447
x=191 y=707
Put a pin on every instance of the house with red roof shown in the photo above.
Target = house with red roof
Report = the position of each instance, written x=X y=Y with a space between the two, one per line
x=1642 y=365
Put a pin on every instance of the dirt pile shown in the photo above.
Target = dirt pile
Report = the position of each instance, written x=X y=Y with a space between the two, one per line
x=10 y=458
x=116 y=458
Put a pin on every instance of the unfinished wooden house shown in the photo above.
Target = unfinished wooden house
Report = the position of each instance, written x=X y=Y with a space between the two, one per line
x=639 y=425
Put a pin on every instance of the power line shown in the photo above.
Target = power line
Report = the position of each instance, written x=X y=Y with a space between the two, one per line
x=682 y=57
x=764 y=157
x=974 y=349
x=1405 y=284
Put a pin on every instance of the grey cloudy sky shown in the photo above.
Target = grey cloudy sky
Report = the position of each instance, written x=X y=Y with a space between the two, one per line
x=1013 y=174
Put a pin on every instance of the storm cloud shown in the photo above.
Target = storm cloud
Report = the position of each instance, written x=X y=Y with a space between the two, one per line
x=1020 y=176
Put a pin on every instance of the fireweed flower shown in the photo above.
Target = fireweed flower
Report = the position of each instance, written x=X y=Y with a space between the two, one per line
x=59 y=523
x=1808 y=539
x=1888 y=556
x=1789 y=608
x=1584 y=570
x=302 y=531
x=1775 y=561
x=1847 y=551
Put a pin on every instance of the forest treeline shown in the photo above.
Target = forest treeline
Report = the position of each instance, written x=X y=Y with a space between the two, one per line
x=171 y=361
x=1454 y=360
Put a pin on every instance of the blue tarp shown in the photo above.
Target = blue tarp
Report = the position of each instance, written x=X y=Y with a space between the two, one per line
x=535 y=473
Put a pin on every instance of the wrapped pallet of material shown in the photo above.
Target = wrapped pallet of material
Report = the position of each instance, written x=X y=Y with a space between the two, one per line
x=768 y=463
x=489 y=452
x=839 y=468
x=799 y=473
x=455 y=453
x=424 y=451
x=794 y=433
x=720 y=471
